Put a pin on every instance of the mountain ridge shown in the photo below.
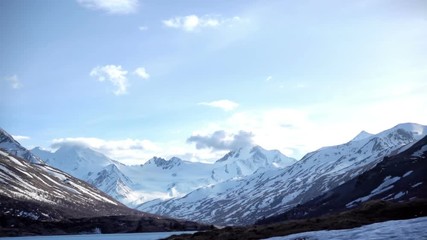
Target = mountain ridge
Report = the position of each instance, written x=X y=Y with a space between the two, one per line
x=241 y=201
x=159 y=178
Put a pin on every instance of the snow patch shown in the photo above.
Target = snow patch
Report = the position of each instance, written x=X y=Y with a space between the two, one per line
x=400 y=229
x=408 y=173
x=420 y=152
x=386 y=185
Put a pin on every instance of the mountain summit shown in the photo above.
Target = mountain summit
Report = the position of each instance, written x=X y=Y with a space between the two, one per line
x=362 y=135
x=10 y=145
x=77 y=160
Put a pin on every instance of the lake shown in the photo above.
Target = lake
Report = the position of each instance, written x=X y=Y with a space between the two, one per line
x=124 y=236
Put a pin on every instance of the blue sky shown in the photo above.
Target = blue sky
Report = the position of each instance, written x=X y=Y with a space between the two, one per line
x=194 y=79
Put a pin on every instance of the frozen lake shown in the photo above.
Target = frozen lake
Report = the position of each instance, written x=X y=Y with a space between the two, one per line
x=124 y=236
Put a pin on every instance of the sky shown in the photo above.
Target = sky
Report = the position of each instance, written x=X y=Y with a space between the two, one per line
x=195 y=79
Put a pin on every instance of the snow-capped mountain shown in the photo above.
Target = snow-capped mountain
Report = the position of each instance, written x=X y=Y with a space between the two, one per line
x=37 y=199
x=10 y=145
x=246 y=161
x=401 y=177
x=159 y=178
x=242 y=201
x=77 y=160
x=41 y=192
x=112 y=181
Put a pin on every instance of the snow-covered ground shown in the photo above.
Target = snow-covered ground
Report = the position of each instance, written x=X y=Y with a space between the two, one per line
x=127 y=236
x=402 y=229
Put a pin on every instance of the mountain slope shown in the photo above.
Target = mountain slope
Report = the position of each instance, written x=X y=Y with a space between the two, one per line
x=267 y=193
x=401 y=177
x=63 y=195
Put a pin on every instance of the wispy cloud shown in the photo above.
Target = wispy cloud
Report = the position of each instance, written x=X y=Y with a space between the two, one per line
x=192 y=23
x=269 y=78
x=14 y=81
x=143 y=28
x=220 y=140
x=20 y=138
x=224 y=104
x=111 y=6
x=114 y=74
x=142 y=73
x=117 y=75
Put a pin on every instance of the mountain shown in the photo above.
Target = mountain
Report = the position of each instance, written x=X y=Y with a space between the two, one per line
x=12 y=146
x=158 y=179
x=246 y=161
x=112 y=181
x=60 y=195
x=37 y=199
x=401 y=178
x=242 y=201
x=78 y=160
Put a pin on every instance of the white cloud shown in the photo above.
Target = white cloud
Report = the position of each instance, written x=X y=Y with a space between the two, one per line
x=225 y=104
x=193 y=22
x=142 y=73
x=128 y=151
x=221 y=140
x=113 y=73
x=20 y=138
x=269 y=78
x=13 y=81
x=111 y=6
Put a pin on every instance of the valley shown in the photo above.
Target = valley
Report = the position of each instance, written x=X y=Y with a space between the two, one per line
x=76 y=189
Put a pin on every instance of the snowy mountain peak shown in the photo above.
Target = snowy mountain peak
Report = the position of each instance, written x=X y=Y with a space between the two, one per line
x=400 y=131
x=10 y=145
x=163 y=163
x=6 y=137
x=75 y=160
x=256 y=154
x=415 y=128
x=402 y=134
x=244 y=153
x=247 y=160
x=362 y=135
